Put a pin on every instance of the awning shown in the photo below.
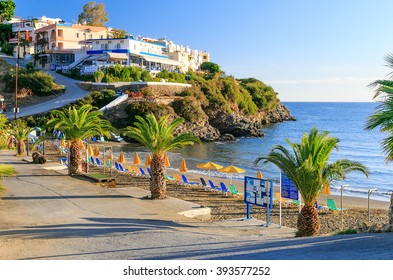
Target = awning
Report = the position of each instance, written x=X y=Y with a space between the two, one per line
x=117 y=56
x=160 y=60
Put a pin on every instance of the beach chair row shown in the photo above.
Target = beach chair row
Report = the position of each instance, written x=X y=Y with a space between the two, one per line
x=139 y=171
x=210 y=186
x=330 y=203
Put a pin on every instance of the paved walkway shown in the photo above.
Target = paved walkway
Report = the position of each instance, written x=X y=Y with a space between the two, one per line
x=45 y=214
x=71 y=94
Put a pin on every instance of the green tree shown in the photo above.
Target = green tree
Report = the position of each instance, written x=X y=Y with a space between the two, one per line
x=119 y=33
x=7 y=9
x=308 y=167
x=20 y=131
x=77 y=125
x=93 y=14
x=7 y=49
x=158 y=137
x=383 y=117
x=211 y=67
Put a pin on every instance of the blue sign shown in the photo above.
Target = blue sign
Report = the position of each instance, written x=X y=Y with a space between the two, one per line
x=288 y=188
x=255 y=191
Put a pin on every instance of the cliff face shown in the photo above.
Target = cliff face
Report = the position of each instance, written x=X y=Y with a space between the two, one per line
x=216 y=125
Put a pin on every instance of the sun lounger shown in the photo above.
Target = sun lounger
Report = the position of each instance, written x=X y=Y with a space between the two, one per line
x=99 y=163
x=204 y=185
x=169 y=178
x=331 y=204
x=143 y=173
x=213 y=187
x=320 y=207
x=234 y=190
x=91 y=159
x=63 y=161
x=185 y=181
x=148 y=171
x=224 y=188
x=137 y=171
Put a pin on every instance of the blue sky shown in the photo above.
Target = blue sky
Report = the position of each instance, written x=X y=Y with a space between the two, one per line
x=306 y=50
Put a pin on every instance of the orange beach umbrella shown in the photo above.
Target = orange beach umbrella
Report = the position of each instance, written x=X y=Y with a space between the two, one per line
x=326 y=189
x=62 y=143
x=110 y=155
x=96 y=151
x=90 y=151
x=148 y=160
x=137 y=160
x=121 y=158
x=183 y=166
x=166 y=160
x=259 y=175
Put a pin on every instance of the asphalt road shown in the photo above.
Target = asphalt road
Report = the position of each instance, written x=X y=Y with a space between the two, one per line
x=71 y=94
x=48 y=215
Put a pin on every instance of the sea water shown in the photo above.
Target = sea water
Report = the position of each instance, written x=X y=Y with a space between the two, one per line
x=345 y=121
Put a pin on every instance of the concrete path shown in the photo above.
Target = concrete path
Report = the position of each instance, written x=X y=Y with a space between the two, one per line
x=71 y=94
x=45 y=214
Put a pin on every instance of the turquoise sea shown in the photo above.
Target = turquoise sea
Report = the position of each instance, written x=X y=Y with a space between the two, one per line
x=345 y=121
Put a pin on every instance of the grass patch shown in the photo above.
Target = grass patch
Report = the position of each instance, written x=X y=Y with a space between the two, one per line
x=347 y=231
x=97 y=175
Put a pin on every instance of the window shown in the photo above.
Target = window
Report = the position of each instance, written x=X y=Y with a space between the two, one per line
x=102 y=36
x=60 y=33
x=118 y=46
x=91 y=36
x=77 y=35
x=104 y=46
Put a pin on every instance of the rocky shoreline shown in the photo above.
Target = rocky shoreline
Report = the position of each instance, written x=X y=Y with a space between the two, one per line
x=217 y=126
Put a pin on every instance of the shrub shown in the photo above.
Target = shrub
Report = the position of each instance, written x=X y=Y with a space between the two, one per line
x=144 y=108
x=98 y=98
x=263 y=96
x=189 y=109
x=39 y=82
x=99 y=75
x=7 y=49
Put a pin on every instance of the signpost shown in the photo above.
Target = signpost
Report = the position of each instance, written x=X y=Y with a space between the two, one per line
x=288 y=190
x=258 y=192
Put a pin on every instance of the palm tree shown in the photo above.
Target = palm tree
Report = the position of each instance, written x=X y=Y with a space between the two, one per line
x=383 y=117
x=20 y=131
x=158 y=137
x=309 y=170
x=77 y=125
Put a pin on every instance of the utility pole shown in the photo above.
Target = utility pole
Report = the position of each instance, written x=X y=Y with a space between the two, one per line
x=16 y=74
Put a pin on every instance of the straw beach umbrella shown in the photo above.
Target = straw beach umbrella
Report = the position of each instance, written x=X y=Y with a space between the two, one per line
x=259 y=175
x=209 y=166
x=232 y=170
x=183 y=166
x=121 y=158
x=166 y=160
x=148 y=160
x=137 y=160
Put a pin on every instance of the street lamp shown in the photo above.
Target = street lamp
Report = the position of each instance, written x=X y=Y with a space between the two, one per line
x=342 y=214
x=368 y=201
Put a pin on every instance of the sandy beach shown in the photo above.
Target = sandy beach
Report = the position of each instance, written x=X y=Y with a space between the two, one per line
x=228 y=207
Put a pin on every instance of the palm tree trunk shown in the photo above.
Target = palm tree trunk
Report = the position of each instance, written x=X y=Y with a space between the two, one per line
x=308 y=221
x=21 y=148
x=75 y=157
x=157 y=181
